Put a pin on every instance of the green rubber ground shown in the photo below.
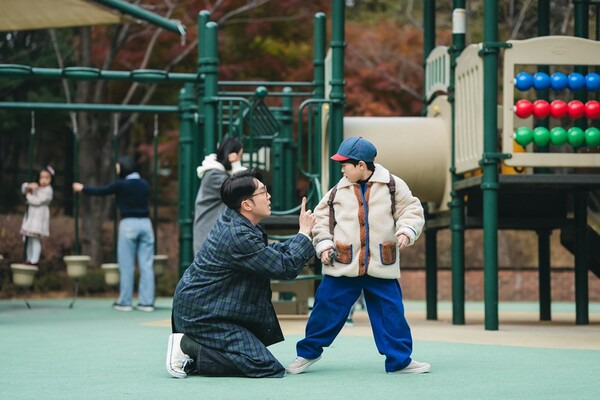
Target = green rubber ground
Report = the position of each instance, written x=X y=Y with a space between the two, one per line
x=92 y=352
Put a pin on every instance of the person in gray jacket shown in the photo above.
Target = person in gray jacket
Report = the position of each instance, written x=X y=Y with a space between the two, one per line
x=215 y=169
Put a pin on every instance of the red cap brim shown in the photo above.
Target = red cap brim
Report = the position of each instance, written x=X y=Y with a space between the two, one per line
x=337 y=157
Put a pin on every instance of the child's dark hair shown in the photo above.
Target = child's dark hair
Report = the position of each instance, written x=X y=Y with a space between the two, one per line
x=228 y=145
x=370 y=164
x=127 y=165
x=239 y=187
x=49 y=170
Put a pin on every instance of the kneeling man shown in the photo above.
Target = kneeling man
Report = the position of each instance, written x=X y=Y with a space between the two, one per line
x=223 y=317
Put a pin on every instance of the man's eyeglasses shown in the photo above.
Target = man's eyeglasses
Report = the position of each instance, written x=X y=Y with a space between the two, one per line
x=263 y=190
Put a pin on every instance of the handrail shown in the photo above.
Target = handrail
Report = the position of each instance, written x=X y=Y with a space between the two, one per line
x=300 y=110
x=314 y=191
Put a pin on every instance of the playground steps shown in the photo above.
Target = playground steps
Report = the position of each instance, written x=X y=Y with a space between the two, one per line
x=567 y=239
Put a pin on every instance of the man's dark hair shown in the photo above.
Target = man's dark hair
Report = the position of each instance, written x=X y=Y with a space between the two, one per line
x=127 y=165
x=239 y=187
x=228 y=145
x=370 y=164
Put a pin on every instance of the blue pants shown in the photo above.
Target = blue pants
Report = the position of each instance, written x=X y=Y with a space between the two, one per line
x=333 y=300
x=136 y=238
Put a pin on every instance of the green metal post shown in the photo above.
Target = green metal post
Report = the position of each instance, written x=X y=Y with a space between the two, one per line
x=430 y=235
x=544 y=278
x=336 y=115
x=457 y=203
x=287 y=128
x=543 y=30
x=115 y=176
x=428 y=26
x=155 y=183
x=76 y=248
x=31 y=146
x=581 y=259
x=489 y=162
x=185 y=209
x=203 y=19
x=580 y=199
x=277 y=174
x=210 y=68
x=30 y=167
x=581 y=30
x=320 y=27
x=431 y=272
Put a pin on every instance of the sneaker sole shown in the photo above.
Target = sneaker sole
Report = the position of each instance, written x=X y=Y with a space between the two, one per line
x=301 y=369
x=170 y=370
x=420 y=370
x=122 y=308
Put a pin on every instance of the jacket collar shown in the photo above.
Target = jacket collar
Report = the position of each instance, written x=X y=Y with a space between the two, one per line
x=133 y=175
x=380 y=175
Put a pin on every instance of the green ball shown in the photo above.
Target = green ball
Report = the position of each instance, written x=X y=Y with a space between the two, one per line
x=576 y=137
x=523 y=136
x=592 y=136
x=541 y=136
x=558 y=136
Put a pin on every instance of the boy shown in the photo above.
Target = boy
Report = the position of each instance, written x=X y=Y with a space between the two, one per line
x=361 y=225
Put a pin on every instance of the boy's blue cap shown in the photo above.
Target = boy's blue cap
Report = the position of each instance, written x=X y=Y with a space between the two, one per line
x=356 y=148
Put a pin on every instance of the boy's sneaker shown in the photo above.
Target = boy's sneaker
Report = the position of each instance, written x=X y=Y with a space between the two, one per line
x=121 y=307
x=300 y=364
x=145 y=308
x=178 y=363
x=414 y=367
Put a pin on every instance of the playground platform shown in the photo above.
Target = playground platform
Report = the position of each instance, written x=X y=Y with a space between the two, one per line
x=93 y=352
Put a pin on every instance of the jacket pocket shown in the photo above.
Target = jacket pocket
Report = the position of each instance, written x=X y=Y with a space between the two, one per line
x=344 y=253
x=387 y=253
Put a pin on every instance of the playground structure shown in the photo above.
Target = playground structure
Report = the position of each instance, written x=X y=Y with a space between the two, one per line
x=451 y=158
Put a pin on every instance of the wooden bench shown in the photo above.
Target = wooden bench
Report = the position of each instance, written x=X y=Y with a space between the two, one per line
x=301 y=288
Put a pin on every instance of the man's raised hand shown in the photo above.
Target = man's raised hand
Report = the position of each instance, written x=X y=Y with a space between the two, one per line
x=306 y=219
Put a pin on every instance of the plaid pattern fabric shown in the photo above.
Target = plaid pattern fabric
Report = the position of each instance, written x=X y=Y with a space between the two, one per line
x=223 y=300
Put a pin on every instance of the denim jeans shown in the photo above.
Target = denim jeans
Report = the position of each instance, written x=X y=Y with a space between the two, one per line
x=136 y=238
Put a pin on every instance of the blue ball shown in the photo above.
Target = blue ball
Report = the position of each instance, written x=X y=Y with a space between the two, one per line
x=576 y=81
x=558 y=81
x=523 y=81
x=541 y=81
x=592 y=81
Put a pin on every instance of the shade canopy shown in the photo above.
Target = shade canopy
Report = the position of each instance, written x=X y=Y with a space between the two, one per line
x=18 y=15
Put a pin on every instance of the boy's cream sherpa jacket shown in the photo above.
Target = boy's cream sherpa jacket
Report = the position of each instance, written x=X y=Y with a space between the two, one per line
x=352 y=229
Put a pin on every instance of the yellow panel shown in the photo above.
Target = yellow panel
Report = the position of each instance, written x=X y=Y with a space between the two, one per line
x=16 y=15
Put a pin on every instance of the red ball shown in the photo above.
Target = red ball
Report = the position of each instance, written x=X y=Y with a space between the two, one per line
x=576 y=109
x=541 y=109
x=592 y=109
x=523 y=108
x=558 y=109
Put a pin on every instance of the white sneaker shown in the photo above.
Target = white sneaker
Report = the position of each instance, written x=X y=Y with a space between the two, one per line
x=300 y=364
x=121 y=307
x=144 y=308
x=414 y=367
x=177 y=361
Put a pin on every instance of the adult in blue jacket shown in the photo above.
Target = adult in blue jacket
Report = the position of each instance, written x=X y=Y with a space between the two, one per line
x=136 y=237
x=223 y=318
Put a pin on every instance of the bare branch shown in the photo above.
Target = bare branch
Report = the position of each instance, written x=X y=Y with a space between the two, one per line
x=520 y=19
x=266 y=19
x=61 y=65
x=251 y=5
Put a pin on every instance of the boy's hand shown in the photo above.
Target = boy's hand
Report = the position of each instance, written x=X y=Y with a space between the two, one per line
x=327 y=257
x=403 y=241
x=306 y=219
x=77 y=187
